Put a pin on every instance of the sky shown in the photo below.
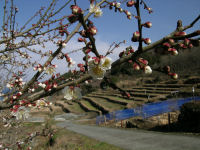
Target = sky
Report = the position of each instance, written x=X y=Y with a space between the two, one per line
x=115 y=27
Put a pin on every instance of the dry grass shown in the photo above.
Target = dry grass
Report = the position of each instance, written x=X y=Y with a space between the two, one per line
x=67 y=140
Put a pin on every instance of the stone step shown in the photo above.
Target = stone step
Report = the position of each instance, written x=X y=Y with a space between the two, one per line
x=109 y=104
x=155 y=88
x=64 y=106
x=97 y=104
x=88 y=107
x=167 y=85
x=149 y=91
x=76 y=108
x=56 y=109
x=113 y=99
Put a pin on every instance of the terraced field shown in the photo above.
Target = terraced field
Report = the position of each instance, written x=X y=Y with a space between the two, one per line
x=105 y=101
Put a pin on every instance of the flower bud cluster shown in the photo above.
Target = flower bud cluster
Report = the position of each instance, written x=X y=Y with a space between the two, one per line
x=126 y=52
x=76 y=11
x=69 y=60
x=16 y=82
x=82 y=67
x=63 y=29
x=167 y=70
x=142 y=64
x=24 y=55
x=168 y=46
x=48 y=85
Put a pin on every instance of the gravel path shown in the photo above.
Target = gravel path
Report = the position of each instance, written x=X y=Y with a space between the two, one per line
x=135 y=139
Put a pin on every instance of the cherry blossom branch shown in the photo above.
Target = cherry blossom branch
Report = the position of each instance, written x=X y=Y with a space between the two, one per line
x=137 y=6
x=42 y=93
x=192 y=24
x=91 y=38
x=157 y=43
x=34 y=78
x=116 y=46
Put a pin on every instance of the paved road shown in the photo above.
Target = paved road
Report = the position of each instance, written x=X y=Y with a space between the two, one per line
x=135 y=139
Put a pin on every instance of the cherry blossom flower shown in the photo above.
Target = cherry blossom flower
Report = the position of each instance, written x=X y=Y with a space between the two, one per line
x=22 y=113
x=41 y=103
x=72 y=93
x=98 y=67
x=106 y=63
x=49 y=70
x=117 y=5
x=96 y=10
x=147 y=70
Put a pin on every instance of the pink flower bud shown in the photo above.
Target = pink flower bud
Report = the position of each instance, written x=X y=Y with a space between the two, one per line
x=112 y=4
x=129 y=16
x=39 y=69
x=76 y=10
x=149 y=9
x=136 y=36
x=19 y=93
x=130 y=61
x=81 y=39
x=182 y=45
x=58 y=75
x=55 y=85
x=148 y=24
x=190 y=46
x=82 y=69
x=117 y=5
x=187 y=42
x=96 y=60
x=64 y=45
x=147 y=41
x=136 y=66
x=130 y=3
x=120 y=9
x=167 y=45
x=132 y=51
x=88 y=50
x=173 y=51
x=80 y=65
x=181 y=33
x=127 y=13
x=173 y=75
x=143 y=61
x=92 y=30
x=22 y=102
x=127 y=94
x=171 y=41
x=48 y=87
x=16 y=107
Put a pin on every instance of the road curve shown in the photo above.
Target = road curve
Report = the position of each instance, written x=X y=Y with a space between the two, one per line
x=135 y=139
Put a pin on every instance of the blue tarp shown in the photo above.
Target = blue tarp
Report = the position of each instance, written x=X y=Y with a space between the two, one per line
x=146 y=111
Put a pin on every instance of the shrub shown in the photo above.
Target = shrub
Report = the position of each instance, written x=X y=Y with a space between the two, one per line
x=189 y=117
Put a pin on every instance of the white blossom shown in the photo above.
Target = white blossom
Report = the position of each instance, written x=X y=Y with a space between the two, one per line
x=147 y=70
x=96 y=10
x=72 y=93
x=22 y=113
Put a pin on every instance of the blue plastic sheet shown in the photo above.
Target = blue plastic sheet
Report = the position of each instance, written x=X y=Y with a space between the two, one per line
x=146 y=111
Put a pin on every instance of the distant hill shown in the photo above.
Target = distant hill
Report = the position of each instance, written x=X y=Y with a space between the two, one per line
x=185 y=63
